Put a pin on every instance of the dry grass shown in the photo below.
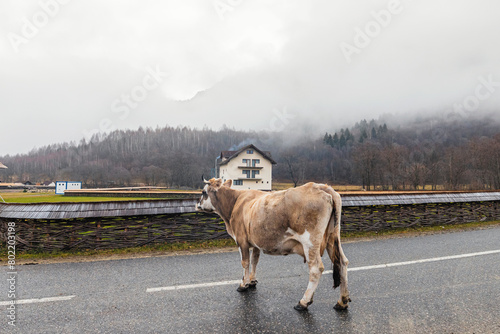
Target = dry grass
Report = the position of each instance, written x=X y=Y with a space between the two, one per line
x=354 y=189
x=287 y=185
x=346 y=188
x=282 y=185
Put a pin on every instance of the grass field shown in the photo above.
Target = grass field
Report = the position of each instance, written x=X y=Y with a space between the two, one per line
x=20 y=197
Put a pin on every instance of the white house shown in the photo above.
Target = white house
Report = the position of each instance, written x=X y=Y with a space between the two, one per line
x=249 y=168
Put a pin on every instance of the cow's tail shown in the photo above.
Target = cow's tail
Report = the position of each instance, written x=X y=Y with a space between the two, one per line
x=332 y=235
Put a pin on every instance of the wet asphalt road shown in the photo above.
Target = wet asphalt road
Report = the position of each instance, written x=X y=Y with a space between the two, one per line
x=459 y=295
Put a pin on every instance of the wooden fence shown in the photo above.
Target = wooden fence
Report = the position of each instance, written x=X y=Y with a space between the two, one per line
x=104 y=225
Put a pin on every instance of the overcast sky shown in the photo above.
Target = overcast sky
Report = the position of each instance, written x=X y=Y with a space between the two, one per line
x=71 y=68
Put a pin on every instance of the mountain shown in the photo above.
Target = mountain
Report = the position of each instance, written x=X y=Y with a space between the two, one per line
x=392 y=152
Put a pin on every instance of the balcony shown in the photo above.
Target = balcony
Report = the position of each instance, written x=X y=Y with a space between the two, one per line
x=249 y=178
x=250 y=167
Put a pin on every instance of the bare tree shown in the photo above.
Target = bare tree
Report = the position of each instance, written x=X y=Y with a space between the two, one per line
x=295 y=167
x=455 y=167
x=392 y=164
x=366 y=158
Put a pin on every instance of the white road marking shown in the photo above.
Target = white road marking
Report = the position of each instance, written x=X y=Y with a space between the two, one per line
x=192 y=286
x=37 y=300
x=434 y=259
x=378 y=266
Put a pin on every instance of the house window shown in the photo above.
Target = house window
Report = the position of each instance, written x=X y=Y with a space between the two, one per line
x=246 y=162
x=249 y=151
x=255 y=173
x=238 y=182
x=247 y=173
x=255 y=162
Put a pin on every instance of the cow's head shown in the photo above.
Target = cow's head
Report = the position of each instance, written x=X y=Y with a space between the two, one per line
x=208 y=197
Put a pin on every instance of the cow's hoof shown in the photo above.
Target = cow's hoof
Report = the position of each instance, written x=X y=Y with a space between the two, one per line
x=243 y=288
x=300 y=308
x=339 y=307
x=253 y=284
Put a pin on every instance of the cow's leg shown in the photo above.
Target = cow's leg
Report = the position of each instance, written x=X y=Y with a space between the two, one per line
x=255 y=261
x=344 y=291
x=245 y=263
x=340 y=263
x=316 y=269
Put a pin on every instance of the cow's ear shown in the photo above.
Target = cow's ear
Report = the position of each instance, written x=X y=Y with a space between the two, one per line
x=228 y=183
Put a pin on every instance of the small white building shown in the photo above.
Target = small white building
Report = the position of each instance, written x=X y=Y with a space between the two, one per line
x=249 y=168
x=62 y=186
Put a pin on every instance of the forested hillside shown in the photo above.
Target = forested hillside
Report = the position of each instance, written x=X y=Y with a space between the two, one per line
x=454 y=153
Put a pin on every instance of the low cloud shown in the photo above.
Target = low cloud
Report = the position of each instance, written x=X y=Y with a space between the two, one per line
x=261 y=57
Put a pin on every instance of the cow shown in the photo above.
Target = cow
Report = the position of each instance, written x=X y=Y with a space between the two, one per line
x=303 y=220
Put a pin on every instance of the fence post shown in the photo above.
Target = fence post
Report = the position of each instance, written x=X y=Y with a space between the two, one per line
x=98 y=229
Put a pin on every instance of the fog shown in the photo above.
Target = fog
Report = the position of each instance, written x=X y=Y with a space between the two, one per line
x=70 y=69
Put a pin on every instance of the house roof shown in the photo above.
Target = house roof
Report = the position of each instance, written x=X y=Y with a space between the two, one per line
x=2 y=166
x=229 y=155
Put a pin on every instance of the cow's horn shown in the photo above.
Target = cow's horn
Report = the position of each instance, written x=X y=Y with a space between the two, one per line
x=203 y=178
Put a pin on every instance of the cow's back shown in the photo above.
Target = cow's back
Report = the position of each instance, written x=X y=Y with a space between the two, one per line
x=270 y=218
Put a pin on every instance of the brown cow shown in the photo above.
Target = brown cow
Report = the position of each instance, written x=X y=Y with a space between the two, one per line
x=303 y=220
